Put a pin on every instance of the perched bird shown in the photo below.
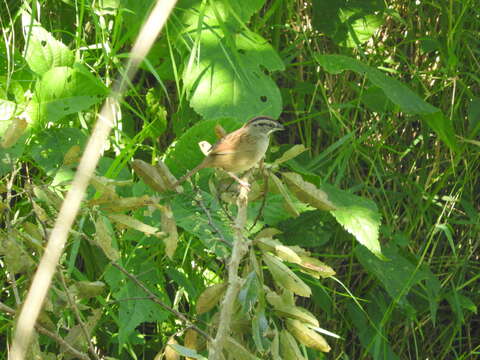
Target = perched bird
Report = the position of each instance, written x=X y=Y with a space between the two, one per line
x=239 y=150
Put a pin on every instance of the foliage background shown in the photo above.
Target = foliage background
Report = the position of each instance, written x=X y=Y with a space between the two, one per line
x=408 y=141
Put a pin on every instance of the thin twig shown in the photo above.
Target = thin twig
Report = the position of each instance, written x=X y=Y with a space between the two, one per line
x=264 y=199
x=74 y=306
x=240 y=248
x=71 y=205
x=156 y=300
x=199 y=201
x=69 y=348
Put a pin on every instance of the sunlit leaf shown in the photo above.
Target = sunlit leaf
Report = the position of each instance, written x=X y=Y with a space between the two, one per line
x=43 y=51
x=62 y=91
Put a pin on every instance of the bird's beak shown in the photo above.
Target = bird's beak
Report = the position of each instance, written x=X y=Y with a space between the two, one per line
x=280 y=127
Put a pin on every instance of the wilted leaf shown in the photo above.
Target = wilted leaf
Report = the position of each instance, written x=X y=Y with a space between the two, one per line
x=285 y=277
x=72 y=156
x=294 y=151
x=15 y=257
x=169 y=227
x=135 y=224
x=307 y=192
x=307 y=336
x=124 y=204
x=289 y=205
x=210 y=297
x=103 y=238
x=296 y=312
x=267 y=233
x=315 y=267
x=284 y=252
x=76 y=335
x=149 y=174
x=187 y=352
x=14 y=131
x=190 y=342
x=88 y=289
x=170 y=351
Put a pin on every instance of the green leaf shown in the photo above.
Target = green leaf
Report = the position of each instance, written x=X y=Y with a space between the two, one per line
x=43 y=51
x=9 y=156
x=189 y=353
x=227 y=77
x=259 y=329
x=133 y=309
x=473 y=112
x=359 y=216
x=396 y=92
x=230 y=13
x=190 y=217
x=50 y=146
x=248 y=294
x=398 y=276
x=7 y=111
x=458 y=303
x=63 y=91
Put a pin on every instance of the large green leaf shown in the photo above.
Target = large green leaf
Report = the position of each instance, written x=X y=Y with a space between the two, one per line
x=228 y=77
x=50 y=146
x=399 y=275
x=231 y=13
x=225 y=73
x=396 y=92
x=62 y=91
x=43 y=51
x=134 y=309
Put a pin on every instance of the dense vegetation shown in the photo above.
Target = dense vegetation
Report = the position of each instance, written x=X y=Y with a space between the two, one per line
x=364 y=224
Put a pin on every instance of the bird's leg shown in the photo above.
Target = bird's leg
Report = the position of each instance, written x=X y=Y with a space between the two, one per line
x=242 y=182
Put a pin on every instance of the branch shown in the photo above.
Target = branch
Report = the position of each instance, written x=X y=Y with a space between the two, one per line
x=156 y=300
x=73 y=305
x=240 y=248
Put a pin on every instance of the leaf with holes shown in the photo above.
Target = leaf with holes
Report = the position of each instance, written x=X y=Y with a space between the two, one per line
x=43 y=52
x=229 y=79
x=62 y=91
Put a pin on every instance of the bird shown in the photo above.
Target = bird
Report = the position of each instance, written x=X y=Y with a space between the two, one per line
x=239 y=150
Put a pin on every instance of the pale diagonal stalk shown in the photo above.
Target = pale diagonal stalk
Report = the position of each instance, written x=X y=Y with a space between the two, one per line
x=71 y=205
